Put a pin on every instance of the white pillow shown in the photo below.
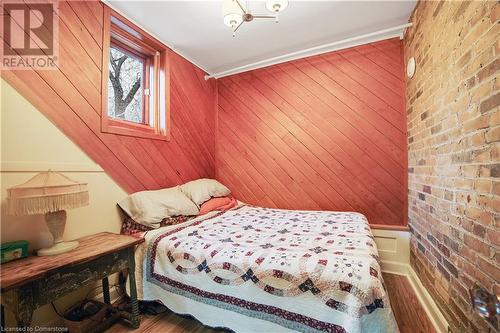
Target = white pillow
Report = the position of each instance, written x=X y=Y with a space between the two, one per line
x=201 y=190
x=151 y=207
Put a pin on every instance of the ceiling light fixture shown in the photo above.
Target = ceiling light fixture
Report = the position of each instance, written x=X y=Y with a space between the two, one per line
x=235 y=14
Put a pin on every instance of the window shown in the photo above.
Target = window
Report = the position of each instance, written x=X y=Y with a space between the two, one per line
x=135 y=92
x=126 y=86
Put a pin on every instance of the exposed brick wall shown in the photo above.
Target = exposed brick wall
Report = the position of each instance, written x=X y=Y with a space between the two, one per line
x=453 y=142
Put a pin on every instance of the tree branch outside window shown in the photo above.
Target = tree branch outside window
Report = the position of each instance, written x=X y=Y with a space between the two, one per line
x=125 y=97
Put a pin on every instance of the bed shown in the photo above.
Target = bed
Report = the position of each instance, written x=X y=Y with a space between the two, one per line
x=254 y=269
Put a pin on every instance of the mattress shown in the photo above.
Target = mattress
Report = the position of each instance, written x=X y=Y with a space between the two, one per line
x=254 y=269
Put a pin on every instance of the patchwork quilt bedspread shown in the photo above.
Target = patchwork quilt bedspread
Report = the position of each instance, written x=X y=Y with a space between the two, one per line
x=256 y=269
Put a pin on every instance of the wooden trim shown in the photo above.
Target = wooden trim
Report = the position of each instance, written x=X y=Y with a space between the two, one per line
x=146 y=99
x=133 y=30
x=133 y=40
x=125 y=48
x=106 y=41
x=156 y=92
x=216 y=133
x=390 y=227
x=164 y=77
x=136 y=132
x=130 y=125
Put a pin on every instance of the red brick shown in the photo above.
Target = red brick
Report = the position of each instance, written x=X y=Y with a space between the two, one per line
x=488 y=268
x=493 y=236
x=477 y=245
x=479 y=230
x=490 y=103
x=479 y=122
x=488 y=70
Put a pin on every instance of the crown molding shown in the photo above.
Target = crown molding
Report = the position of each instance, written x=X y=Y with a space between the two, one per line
x=397 y=31
x=371 y=37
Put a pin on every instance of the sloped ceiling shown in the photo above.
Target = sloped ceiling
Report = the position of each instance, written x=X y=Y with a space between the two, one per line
x=195 y=28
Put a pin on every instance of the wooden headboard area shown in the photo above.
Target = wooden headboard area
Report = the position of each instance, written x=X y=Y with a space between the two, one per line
x=70 y=96
x=326 y=132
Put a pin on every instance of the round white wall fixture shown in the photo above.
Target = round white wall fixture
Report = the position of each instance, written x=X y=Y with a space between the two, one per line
x=411 y=67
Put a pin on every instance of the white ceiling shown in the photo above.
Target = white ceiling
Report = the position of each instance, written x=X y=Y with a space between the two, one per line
x=195 y=28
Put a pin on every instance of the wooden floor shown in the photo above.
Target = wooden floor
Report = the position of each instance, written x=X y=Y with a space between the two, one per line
x=409 y=314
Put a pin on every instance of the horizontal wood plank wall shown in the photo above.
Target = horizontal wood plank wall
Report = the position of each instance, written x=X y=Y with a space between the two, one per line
x=325 y=132
x=70 y=97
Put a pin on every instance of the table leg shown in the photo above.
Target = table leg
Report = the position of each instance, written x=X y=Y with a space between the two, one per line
x=25 y=306
x=105 y=290
x=2 y=319
x=133 y=291
x=23 y=317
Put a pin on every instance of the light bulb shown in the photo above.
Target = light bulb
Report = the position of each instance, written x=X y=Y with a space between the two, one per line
x=276 y=6
x=232 y=13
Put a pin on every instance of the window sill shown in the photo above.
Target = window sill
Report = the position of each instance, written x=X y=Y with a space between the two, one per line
x=135 y=130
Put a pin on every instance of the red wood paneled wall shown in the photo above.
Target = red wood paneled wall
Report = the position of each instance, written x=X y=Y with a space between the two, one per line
x=71 y=95
x=325 y=132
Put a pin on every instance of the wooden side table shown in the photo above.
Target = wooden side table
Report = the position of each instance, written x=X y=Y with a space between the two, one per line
x=29 y=283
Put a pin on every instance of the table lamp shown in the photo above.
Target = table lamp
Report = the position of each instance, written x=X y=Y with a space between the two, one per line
x=49 y=193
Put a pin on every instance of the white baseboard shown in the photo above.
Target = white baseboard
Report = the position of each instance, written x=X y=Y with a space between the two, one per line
x=430 y=307
x=394 y=267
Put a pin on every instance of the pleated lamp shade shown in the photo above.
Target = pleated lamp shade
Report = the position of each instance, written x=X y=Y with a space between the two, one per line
x=46 y=192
